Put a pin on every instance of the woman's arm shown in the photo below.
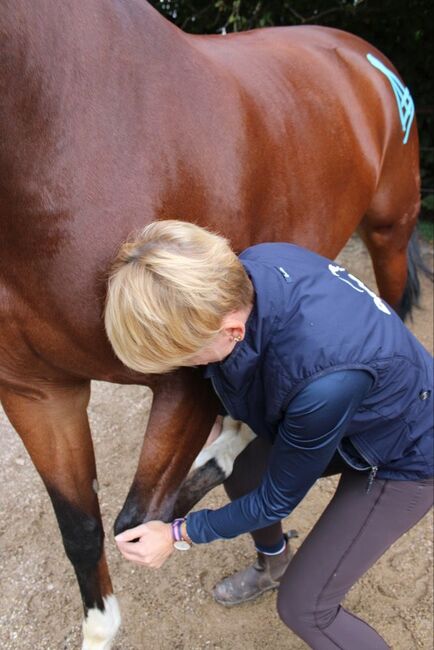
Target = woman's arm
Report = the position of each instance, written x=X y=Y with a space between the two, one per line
x=315 y=421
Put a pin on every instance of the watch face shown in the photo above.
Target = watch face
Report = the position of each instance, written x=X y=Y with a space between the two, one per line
x=182 y=545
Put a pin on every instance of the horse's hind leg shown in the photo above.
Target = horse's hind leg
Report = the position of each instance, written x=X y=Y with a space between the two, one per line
x=53 y=425
x=387 y=230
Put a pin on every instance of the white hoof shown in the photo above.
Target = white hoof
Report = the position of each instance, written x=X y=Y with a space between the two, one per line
x=100 y=628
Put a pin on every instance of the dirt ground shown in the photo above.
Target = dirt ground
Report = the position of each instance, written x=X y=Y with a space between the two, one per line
x=40 y=608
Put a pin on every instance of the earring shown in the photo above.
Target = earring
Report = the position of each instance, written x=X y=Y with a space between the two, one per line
x=237 y=339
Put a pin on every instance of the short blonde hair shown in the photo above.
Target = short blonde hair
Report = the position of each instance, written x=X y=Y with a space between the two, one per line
x=168 y=291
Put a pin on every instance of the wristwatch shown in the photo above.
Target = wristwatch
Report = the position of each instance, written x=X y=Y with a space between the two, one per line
x=180 y=542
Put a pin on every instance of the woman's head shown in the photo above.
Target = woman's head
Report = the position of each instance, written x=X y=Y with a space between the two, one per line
x=171 y=293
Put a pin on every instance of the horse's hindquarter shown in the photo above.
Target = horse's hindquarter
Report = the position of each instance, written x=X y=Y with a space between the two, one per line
x=318 y=124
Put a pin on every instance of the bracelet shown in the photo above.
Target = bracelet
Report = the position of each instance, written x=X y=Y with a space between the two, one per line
x=179 y=542
x=176 y=529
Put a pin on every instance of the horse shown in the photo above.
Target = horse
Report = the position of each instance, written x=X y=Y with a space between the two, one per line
x=112 y=117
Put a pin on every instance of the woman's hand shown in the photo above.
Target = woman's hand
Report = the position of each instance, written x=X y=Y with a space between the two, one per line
x=154 y=545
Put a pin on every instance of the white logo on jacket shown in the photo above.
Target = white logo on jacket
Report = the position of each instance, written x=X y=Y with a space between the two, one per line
x=358 y=286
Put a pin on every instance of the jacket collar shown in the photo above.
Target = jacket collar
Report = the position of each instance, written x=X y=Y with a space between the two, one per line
x=237 y=368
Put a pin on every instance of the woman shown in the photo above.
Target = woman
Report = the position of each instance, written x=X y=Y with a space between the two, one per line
x=328 y=378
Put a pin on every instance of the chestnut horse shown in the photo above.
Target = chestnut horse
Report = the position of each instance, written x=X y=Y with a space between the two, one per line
x=111 y=117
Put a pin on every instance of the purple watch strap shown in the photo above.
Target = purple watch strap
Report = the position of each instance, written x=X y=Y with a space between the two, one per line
x=176 y=529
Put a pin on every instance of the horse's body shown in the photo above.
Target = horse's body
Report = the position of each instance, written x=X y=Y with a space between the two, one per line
x=111 y=117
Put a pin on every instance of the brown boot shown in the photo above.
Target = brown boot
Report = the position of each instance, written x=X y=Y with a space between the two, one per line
x=250 y=583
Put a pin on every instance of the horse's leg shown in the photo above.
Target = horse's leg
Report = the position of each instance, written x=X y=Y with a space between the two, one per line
x=214 y=464
x=388 y=228
x=395 y=265
x=183 y=412
x=53 y=424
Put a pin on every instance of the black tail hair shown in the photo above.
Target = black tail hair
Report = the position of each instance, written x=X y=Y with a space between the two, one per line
x=415 y=263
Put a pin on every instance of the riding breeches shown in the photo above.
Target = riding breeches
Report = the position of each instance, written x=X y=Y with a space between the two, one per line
x=356 y=528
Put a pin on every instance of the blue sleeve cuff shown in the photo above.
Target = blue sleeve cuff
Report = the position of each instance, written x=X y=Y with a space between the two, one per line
x=199 y=529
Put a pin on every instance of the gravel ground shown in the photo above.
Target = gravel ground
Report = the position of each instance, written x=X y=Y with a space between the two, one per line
x=40 y=608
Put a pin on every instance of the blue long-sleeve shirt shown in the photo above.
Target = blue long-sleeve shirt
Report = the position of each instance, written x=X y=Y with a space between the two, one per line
x=307 y=439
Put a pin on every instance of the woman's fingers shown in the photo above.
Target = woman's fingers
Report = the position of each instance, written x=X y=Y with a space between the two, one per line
x=131 y=534
x=149 y=544
x=147 y=559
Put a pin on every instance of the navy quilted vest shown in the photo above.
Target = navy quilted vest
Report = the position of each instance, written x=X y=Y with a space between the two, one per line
x=312 y=317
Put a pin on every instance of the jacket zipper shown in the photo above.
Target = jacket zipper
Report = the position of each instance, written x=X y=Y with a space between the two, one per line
x=373 y=469
x=371 y=478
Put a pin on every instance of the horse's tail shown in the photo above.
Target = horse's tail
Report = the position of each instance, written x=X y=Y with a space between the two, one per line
x=410 y=297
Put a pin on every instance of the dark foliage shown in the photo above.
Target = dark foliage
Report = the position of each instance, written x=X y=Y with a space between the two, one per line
x=402 y=29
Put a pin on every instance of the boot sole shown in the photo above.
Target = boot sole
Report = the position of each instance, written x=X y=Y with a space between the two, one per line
x=233 y=603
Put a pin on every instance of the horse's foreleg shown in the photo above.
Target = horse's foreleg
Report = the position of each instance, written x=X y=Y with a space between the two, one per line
x=53 y=425
x=183 y=411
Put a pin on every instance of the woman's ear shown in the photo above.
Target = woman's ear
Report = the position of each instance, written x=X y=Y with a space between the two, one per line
x=234 y=325
x=235 y=330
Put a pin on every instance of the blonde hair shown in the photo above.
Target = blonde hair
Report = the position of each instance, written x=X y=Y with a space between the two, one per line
x=168 y=291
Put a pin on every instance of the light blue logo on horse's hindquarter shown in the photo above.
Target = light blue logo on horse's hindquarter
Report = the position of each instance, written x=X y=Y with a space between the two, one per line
x=402 y=95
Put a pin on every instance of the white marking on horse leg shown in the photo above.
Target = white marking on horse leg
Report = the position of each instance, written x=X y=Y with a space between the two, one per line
x=215 y=431
x=235 y=436
x=213 y=465
x=100 y=628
